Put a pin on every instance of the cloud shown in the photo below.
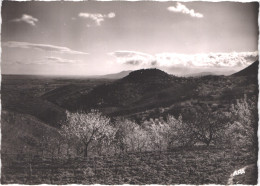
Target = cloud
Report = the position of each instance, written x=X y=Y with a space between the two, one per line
x=111 y=15
x=204 y=60
x=21 y=62
x=217 y=60
x=132 y=57
x=46 y=60
x=61 y=60
x=42 y=47
x=97 y=18
x=180 y=8
x=27 y=19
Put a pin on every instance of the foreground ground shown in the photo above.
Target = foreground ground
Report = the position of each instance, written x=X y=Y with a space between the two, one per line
x=196 y=166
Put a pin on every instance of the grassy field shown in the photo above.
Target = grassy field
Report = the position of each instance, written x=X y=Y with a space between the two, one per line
x=190 y=166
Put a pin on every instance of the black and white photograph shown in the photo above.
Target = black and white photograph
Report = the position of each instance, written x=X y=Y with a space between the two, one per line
x=129 y=92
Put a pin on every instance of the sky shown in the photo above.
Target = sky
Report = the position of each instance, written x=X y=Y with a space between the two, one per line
x=95 y=38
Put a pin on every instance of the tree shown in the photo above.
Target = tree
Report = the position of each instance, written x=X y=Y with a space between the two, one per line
x=158 y=134
x=130 y=136
x=243 y=131
x=207 y=126
x=123 y=128
x=87 y=128
x=180 y=133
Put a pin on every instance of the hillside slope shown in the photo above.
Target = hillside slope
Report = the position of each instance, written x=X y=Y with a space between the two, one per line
x=251 y=70
x=22 y=132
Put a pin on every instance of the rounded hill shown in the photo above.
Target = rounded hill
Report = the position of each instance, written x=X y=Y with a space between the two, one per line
x=147 y=75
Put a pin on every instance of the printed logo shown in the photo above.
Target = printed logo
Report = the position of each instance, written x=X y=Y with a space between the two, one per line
x=238 y=172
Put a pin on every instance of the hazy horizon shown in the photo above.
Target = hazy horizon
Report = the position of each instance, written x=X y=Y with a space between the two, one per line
x=99 y=38
x=98 y=75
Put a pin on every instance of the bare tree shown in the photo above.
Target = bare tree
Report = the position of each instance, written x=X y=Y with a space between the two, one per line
x=207 y=126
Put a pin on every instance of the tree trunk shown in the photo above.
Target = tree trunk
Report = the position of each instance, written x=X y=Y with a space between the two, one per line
x=208 y=142
x=86 y=151
x=59 y=149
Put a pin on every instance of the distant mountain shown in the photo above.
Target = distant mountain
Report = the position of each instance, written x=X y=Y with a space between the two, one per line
x=211 y=73
x=251 y=70
x=116 y=75
x=200 y=74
